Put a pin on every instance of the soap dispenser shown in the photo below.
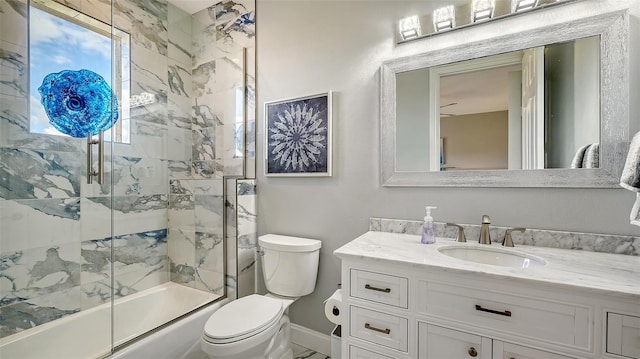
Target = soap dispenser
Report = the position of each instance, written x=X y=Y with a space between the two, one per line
x=428 y=231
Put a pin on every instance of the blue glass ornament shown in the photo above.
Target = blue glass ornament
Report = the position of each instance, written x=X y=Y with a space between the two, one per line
x=78 y=102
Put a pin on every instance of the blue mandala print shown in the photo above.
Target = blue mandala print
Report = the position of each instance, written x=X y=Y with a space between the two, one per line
x=298 y=136
x=78 y=102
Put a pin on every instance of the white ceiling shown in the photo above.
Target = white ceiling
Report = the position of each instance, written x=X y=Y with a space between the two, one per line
x=476 y=92
x=193 y=6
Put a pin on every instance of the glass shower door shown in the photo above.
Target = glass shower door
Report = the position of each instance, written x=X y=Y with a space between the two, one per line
x=57 y=84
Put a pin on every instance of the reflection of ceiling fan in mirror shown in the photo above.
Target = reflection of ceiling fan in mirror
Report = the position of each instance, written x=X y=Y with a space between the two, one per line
x=447 y=114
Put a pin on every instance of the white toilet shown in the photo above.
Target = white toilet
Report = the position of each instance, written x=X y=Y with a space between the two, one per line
x=257 y=326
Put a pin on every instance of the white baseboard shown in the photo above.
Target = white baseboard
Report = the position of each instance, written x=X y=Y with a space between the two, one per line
x=311 y=339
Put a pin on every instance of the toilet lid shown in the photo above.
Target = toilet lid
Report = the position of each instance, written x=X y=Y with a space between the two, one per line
x=243 y=317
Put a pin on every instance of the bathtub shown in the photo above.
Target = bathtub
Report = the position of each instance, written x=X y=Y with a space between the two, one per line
x=87 y=334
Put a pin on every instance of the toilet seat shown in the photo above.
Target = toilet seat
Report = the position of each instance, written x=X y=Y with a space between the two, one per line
x=243 y=318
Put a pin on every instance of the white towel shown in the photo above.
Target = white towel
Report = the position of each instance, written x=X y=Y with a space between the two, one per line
x=631 y=177
x=634 y=217
x=576 y=162
x=592 y=156
x=631 y=173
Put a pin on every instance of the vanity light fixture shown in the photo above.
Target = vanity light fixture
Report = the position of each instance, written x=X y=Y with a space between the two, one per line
x=444 y=18
x=482 y=10
x=521 y=5
x=409 y=27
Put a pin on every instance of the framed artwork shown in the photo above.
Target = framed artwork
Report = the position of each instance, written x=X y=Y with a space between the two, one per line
x=298 y=136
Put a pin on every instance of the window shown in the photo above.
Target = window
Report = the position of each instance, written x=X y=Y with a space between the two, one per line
x=61 y=38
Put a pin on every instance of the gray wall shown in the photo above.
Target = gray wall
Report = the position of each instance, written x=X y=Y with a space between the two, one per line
x=476 y=141
x=412 y=118
x=308 y=47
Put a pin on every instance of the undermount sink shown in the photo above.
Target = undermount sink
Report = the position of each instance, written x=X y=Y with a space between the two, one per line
x=493 y=256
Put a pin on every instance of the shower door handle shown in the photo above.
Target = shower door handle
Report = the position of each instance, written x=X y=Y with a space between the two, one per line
x=100 y=172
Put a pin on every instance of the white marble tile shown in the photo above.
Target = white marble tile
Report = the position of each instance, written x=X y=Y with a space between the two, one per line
x=605 y=243
x=13 y=69
x=204 y=144
x=14 y=129
x=13 y=22
x=179 y=79
x=148 y=140
x=210 y=281
x=204 y=113
x=26 y=314
x=203 y=77
x=236 y=24
x=179 y=146
x=145 y=20
x=179 y=34
x=95 y=293
x=230 y=72
x=129 y=176
x=208 y=187
x=181 y=187
x=38 y=175
x=207 y=169
x=131 y=214
x=182 y=214
x=139 y=261
x=179 y=169
x=300 y=352
x=231 y=244
x=204 y=35
x=179 y=111
x=38 y=223
x=97 y=9
x=36 y=272
x=182 y=246
x=246 y=212
x=209 y=213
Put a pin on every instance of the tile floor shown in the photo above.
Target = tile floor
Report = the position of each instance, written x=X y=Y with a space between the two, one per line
x=300 y=352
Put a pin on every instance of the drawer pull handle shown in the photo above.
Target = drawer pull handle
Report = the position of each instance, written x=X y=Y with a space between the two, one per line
x=506 y=313
x=472 y=352
x=383 y=331
x=386 y=290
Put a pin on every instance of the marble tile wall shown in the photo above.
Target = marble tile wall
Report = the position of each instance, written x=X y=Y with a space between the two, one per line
x=605 y=243
x=164 y=190
x=196 y=246
x=247 y=236
x=56 y=244
x=223 y=93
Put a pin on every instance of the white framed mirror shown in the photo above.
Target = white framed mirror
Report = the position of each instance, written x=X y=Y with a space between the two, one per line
x=423 y=144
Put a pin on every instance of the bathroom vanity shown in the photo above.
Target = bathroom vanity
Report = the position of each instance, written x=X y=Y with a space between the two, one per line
x=403 y=299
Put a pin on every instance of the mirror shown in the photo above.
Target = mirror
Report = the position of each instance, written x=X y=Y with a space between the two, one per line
x=437 y=131
x=481 y=103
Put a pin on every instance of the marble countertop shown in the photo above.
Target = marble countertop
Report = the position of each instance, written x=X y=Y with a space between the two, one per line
x=612 y=274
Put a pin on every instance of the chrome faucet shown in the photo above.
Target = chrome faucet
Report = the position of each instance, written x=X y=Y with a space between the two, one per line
x=485 y=236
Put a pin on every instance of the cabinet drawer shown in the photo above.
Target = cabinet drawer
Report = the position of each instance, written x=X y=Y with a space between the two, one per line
x=380 y=288
x=623 y=335
x=534 y=318
x=502 y=350
x=439 y=342
x=359 y=353
x=380 y=328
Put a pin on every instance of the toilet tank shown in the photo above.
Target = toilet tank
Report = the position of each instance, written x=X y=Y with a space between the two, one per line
x=289 y=264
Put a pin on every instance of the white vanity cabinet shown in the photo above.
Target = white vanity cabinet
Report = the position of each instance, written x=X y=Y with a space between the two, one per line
x=439 y=342
x=623 y=335
x=416 y=304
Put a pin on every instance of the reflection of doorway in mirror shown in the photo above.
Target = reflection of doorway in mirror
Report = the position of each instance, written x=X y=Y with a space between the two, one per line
x=478 y=126
x=551 y=98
